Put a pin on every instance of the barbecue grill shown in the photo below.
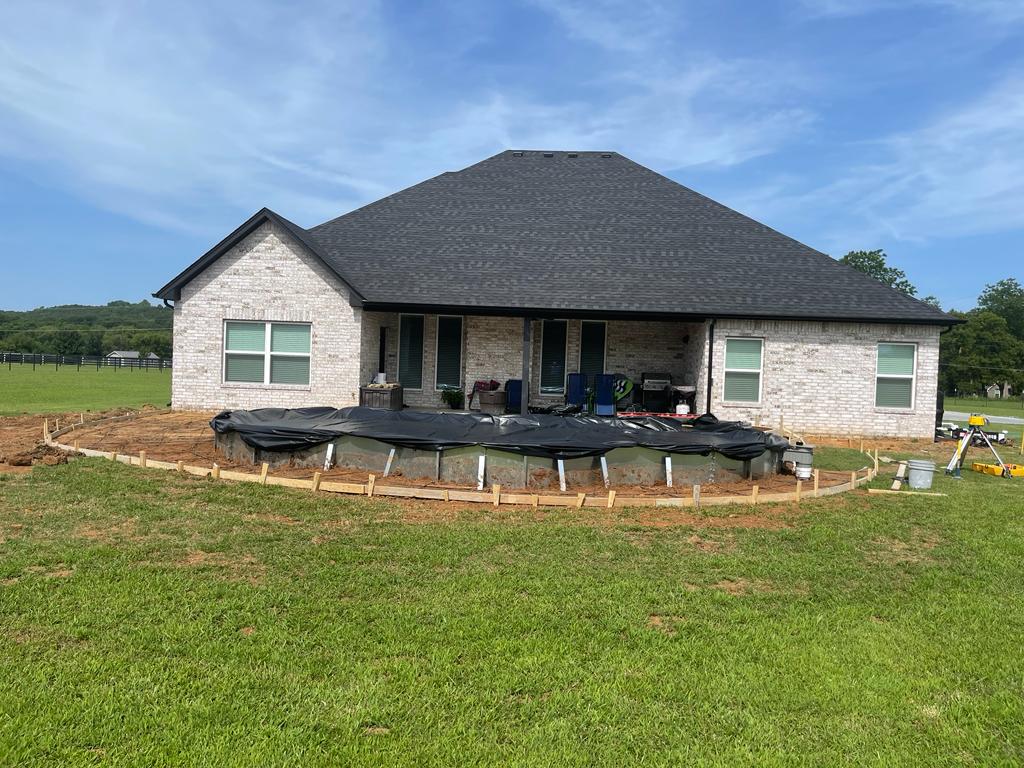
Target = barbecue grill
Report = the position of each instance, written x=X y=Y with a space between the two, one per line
x=656 y=392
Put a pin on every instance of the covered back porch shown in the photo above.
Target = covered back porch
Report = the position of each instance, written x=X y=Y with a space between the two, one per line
x=426 y=352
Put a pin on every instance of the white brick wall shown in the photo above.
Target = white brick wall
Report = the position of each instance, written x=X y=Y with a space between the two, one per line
x=265 y=277
x=820 y=377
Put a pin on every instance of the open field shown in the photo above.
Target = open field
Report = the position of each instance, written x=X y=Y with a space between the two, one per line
x=150 y=618
x=995 y=408
x=49 y=390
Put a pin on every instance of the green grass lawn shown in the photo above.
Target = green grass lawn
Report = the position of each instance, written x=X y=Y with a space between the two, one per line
x=149 y=619
x=984 y=405
x=50 y=390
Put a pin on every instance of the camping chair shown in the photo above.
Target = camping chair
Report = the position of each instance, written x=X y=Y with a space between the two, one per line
x=576 y=390
x=604 y=394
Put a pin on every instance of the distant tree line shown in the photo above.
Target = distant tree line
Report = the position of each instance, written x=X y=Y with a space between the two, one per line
x=78 y=329
x=987 y=348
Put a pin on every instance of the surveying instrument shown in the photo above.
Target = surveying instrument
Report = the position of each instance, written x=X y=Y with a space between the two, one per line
x=975 y=430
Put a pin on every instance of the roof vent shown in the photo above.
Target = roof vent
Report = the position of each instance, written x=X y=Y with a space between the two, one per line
x=606 y=154
x=574 y=154
x=517 y=154
x=549 y=154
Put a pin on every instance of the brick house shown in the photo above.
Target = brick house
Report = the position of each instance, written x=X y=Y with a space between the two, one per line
x=587 y=261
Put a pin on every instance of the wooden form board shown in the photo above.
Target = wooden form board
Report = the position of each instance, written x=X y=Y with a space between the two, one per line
x=493 y=497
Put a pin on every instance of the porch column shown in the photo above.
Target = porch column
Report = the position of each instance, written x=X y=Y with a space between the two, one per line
x=524 y=401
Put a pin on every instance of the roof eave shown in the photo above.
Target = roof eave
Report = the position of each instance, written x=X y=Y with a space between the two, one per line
x=598 y=314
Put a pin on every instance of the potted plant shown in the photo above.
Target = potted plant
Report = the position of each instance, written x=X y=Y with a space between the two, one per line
x=453 y=397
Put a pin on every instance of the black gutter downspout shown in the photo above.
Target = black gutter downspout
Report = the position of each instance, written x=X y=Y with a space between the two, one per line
x=711 y=359
x=524 y=392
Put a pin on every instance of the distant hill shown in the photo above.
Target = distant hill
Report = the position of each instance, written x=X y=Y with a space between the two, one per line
x=80 y=329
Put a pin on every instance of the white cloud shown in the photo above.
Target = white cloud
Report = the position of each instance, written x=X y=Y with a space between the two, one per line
x=174 y=114
x=962 y=173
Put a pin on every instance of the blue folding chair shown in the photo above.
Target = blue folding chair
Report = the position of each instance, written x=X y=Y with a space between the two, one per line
x=604 y=394
x=576 y=390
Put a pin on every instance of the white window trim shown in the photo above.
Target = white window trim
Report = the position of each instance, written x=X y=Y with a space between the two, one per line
x=462 y=349
x=912 y=377
x=565 y=357
x=604 y=352
x=726 y=370
x=398 y=362
x=266 y=353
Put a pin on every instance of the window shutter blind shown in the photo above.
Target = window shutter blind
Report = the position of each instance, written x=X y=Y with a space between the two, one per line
x=893 y=393
x=552 y=357
x=247 y=368
x=289 y=338
x=592 y=348
x=743 y=353
x=896 y=360
x=449 y=351
x=410 y=351
x=742 y=387
x=289 y=370
x=246 y=337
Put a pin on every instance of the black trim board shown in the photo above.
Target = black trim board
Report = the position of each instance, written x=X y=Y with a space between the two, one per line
x=541 y=313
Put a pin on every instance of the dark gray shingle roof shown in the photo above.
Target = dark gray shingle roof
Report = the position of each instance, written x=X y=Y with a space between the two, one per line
x=589 y=232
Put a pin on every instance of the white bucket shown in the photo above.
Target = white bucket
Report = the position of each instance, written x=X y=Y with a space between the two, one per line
x=380 y=378
x=919 y=474
x=682 y=409
x=802 y=471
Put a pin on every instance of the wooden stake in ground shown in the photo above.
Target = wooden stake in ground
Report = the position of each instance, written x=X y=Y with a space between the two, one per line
x=817 y=480
x=369 y=485
x=696 y=496
x=580 y=498
x=76 y=446
x=142 y=459
x=215 y=471
x=496 y=490
x=316 y=482
x=853 y=480
x=799 y=490
x=753 y=495
x=181 y=466
x=46 y=428
x=611 y=499
x=263 y=473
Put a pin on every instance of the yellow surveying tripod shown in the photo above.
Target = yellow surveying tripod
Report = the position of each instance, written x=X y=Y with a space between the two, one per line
x=975 y=429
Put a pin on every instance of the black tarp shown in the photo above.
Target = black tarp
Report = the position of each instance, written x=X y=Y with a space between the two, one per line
x=559 y=437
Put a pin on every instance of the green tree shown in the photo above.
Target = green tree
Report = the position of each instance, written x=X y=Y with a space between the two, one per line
x=1006 y=299
x=979 y=352
x=873 y=264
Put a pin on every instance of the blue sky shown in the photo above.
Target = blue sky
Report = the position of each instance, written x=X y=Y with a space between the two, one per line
x=134 y=135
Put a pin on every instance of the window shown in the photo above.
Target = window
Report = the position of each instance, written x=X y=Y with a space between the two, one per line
x=743 y=370
x=448 y=371
x=552 y=357
x=266 y=353
x=410 y=351
x=894 y=375
x=592 y=336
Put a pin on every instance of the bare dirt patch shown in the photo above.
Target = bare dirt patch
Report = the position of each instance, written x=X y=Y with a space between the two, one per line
x=58 y=571
x=916 y=549
x=124 y=530
x=234 y=567
x=668 y=625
